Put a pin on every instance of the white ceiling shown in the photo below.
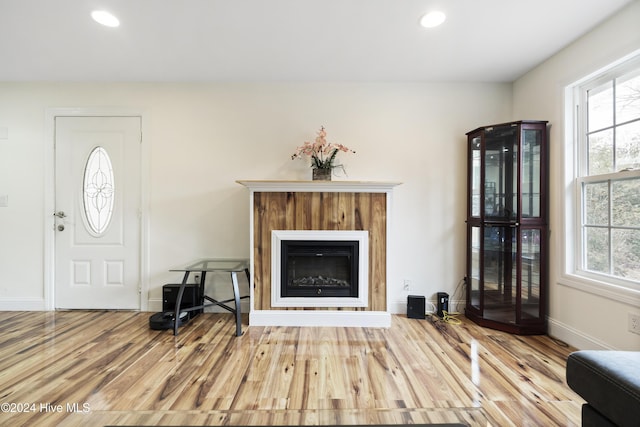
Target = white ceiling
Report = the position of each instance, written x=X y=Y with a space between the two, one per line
x=288 y=40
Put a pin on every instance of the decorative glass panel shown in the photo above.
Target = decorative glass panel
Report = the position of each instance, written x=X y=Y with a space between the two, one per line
x=98 y=190
x=475 y=267
x=475 y=177
x=500 y=273
x=531 y=258
x=531 y=173
x=501 y=176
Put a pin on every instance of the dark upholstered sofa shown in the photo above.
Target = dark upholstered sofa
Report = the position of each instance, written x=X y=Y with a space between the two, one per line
x=610 y=383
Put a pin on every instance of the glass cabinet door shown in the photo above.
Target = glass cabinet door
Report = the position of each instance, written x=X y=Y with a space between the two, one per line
x=474 y=267
x=531 y=285
x=501 y=173
x=500 y=274
x=531 y=172
x=475 y=178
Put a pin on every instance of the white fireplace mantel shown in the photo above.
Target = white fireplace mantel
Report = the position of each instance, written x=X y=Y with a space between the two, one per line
x=325 y=186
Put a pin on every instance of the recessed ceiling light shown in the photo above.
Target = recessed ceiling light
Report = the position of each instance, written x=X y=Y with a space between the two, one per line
x=433 y=19
x=105 y=18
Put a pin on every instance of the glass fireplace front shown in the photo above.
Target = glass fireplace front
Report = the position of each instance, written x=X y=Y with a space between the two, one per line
x=319 y=268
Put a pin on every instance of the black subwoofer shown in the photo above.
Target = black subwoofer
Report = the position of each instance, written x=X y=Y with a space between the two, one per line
x=190 y=298
x=415 y=307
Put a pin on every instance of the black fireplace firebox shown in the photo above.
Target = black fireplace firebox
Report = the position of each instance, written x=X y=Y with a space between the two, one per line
x=319 y=268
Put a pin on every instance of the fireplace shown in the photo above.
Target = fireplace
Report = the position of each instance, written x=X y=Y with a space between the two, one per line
x=319 y=268
x=297 y=210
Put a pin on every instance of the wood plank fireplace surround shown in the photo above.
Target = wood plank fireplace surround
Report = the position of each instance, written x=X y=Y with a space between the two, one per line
x=319 y=210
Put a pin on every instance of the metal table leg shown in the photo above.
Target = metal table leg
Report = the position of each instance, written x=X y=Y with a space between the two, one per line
x=176 y=319
x=236 y=296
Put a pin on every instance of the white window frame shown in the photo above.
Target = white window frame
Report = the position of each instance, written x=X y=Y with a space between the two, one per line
x=574 y=161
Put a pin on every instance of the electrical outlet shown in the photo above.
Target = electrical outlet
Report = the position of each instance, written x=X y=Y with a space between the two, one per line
x=407 y=285
x=634 y=323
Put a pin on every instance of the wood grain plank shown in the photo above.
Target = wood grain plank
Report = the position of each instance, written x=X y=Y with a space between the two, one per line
x=320 y=211
x=417 y=371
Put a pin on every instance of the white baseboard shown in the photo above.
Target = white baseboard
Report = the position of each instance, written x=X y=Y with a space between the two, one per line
x=374 y=319
x=21 y=304
x=574 y=337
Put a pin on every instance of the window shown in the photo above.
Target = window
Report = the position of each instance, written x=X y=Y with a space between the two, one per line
x=607 y=176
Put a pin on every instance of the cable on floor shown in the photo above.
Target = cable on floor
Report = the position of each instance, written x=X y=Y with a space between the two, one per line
x=451 y=318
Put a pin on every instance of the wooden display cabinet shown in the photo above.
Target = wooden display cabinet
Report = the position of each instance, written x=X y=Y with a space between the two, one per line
x=507 y=227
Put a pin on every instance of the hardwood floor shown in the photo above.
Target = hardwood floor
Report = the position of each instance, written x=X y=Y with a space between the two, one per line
x=108 y=368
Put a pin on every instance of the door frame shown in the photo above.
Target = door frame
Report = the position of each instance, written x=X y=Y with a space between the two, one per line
x=49 y=194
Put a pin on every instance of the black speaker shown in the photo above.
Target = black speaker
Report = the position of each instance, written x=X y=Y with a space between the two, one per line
x=443 y=303
x=415 y=307
x=190 y=298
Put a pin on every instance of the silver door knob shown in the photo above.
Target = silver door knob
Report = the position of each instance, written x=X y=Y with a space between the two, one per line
x=60 y=214
x=60 y=227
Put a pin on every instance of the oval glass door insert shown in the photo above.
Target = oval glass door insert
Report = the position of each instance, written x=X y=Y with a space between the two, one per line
x=98 y=190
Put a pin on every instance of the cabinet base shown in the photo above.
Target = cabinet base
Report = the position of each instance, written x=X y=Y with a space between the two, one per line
x=531 y=328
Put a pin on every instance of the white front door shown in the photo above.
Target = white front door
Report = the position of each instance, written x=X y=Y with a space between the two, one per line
x=97 y=209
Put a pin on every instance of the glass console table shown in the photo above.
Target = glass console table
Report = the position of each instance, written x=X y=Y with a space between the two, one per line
x=202 y=267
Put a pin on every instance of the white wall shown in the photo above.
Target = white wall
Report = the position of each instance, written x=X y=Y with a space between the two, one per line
x=203 y=137
x=580 y=317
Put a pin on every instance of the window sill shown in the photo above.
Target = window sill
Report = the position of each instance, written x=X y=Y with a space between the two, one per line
x=600 y=288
